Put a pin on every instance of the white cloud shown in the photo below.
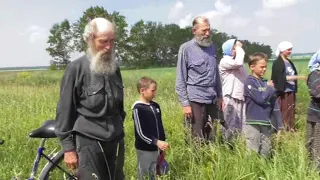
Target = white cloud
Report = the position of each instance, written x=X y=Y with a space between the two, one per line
x=210 y=14
x=186 y=21
x=222 y=8
x=263 y=31
x=176 y=10
x=37 y=37
x=33 y=28
x=268 y=7
x=264 y=13
x=277 y=4
x=35 y=34
x=238 y=22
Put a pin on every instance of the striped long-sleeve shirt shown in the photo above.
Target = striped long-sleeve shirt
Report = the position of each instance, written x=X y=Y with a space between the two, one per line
x=148 y=125
x=198 y=76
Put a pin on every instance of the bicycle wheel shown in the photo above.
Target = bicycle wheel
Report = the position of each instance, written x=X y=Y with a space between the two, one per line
x=52 y=172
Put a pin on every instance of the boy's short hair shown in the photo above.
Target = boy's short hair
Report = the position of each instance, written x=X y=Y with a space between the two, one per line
x=255 y=57
x=145 y=82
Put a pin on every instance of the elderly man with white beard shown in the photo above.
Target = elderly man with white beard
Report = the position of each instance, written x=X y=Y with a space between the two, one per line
x=90 y=112
x=198 y=82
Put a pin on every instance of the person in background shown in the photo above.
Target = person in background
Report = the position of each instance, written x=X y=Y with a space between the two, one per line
x=149 y=131
x=284 y=76
x=314 y=62
x=90 y=113
x=233 y=75
x=261 y=105
x=313 y=112
x=198 y=82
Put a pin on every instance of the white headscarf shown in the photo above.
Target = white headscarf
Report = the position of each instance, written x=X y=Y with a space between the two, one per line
x=284 y=45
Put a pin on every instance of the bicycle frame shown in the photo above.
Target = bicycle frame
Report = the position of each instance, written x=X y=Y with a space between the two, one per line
x=40 y=154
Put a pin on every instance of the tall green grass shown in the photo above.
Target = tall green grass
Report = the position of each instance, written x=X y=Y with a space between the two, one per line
x=29 y=98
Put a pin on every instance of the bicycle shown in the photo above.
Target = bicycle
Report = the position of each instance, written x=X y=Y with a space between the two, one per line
x=45 y=132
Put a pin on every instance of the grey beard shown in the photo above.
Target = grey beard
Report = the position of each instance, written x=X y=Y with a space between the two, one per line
x=202 y=41
x=102 y=64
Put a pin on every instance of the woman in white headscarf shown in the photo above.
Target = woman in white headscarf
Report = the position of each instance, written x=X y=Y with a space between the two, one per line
x=284 y=76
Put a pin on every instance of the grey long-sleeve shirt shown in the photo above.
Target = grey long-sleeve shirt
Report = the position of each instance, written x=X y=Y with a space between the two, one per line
x=198 y=76
x=89 y=104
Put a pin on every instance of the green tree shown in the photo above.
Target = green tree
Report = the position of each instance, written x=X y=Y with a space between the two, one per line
x=155 y=44
x=138 y=56
x=148 y=44
x=60 y=44
x=119 y=21
x=175 y=36
x=121 y=36
x=253 y=47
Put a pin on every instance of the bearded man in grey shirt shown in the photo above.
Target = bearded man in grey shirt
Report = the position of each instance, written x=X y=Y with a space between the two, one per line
x=90 y=113
x=198 y=83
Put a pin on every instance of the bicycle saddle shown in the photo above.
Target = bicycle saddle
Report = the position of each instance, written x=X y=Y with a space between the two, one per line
x=45 y=131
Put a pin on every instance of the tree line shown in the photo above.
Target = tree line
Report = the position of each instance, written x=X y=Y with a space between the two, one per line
x=146 y=44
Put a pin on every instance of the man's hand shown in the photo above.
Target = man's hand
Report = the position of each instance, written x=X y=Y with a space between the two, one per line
x=187 y=111
x=162 y=145
x=220 y=104
x=71 y=159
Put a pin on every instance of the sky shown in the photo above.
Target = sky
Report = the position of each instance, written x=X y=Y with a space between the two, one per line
x=25 y=26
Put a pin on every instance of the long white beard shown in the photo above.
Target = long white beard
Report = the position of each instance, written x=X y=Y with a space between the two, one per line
x=102 y=63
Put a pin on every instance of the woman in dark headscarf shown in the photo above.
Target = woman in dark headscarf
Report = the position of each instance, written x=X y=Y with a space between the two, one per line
x=284 y=76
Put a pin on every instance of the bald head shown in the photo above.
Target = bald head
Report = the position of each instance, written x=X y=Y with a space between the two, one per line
x=200 y=20
x=97 y=26
x=99 y=34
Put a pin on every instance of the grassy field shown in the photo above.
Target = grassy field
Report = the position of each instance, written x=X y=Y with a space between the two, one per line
x=29 y=98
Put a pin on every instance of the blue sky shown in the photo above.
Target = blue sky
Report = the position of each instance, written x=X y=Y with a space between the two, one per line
x=24 y=27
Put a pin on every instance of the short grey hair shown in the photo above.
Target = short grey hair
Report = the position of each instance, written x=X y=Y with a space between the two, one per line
x=199 y=19
x=97 y=25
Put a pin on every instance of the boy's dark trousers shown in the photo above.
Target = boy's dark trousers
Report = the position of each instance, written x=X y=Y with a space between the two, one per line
x=93 y=156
